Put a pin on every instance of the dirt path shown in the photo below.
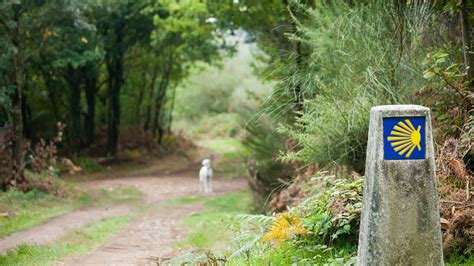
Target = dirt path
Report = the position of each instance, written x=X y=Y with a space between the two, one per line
x=146 y=240
x=150 y=238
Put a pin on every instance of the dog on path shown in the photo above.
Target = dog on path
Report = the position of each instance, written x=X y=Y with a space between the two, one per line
x=205 y=177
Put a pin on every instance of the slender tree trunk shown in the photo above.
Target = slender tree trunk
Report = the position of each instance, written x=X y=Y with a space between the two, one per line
x=158 y=103
x=114 y=60
x=154 y=76
x=91 y=91
x=466 y=41
x=141 y=93
x=73 y=79
x=26 y=117
x=157 y=127
x=51 y=96
x=113 y=108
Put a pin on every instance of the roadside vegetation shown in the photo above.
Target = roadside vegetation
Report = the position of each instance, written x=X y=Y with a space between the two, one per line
x=26 y=210
x=219 y=217
x=75 y=243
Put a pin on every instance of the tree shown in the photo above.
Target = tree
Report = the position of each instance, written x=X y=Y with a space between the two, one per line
x=68 y=54
x=186 y=34
x=12 y=15
x=124 y=25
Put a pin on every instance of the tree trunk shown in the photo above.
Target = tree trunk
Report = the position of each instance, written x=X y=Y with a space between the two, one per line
x=73 y=79
x=141 y=93
x=91 y=91
x=26 y=117
x=113 y=111
x=17 y=179
x=466 y=42
x=154 y=76
x=157 y=127
x=114 y=59
x=51 y=95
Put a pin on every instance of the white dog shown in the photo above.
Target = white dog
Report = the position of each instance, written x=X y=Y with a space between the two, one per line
x=205 y=177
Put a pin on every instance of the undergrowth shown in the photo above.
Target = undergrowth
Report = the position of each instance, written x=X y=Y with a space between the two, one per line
x=323 y=229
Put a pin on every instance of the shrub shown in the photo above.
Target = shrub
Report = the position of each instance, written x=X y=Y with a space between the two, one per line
x=322 y=229
x=356 y=61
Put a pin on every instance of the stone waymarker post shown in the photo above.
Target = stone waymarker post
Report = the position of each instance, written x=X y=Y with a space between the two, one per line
x=400 y=222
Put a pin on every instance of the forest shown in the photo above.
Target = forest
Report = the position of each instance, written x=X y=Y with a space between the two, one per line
x=108 y=107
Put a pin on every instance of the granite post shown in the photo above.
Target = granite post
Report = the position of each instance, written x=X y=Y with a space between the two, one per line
x=400 y=223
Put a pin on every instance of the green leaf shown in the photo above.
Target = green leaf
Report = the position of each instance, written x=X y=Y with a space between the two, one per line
x=428 y=74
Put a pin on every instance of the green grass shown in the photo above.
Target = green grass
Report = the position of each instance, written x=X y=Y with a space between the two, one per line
x=78 y=242
x=216 y=217
x=460 y=261
x=33 y=208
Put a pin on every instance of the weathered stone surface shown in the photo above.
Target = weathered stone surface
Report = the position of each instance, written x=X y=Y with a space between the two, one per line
x=400 y=216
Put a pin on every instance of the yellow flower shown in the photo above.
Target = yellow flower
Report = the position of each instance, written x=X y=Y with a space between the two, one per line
x=283 y=228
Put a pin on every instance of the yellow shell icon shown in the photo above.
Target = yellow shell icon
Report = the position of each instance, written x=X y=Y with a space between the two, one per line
x=404 y=138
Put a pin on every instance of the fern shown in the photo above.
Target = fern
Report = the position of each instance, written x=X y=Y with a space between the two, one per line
x=261 y=220
x=248 y=243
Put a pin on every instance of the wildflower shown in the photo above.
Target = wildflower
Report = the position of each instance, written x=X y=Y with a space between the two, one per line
x=283 y=228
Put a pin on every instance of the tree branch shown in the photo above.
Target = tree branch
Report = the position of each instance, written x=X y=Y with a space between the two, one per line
x=445 y=79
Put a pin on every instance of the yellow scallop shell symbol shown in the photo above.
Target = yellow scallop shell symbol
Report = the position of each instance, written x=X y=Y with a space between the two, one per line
x=405 y=138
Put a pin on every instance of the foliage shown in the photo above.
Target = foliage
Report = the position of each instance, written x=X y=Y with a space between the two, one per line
x=448 y=93
x=332 y=129
x=264 y=144
x=322 y=229
x=209 y=101
x=78 y=62
x=284 y=227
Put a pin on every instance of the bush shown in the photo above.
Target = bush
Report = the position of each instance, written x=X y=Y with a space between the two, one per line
x=356 y=62
x=322 y=229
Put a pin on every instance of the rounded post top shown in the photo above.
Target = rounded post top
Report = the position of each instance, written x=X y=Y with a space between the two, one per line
x=400 y=107
x=400 y=110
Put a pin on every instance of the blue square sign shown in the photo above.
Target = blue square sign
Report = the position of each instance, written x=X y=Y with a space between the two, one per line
x=404 y=138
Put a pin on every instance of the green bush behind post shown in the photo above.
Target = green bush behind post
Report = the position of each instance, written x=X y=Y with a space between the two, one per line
x=356 y=61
